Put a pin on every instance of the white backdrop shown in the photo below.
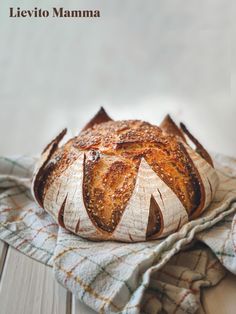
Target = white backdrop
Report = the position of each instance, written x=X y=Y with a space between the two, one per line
x=141 y=59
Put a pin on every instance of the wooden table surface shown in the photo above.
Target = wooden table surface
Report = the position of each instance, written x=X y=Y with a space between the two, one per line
x=28 y=287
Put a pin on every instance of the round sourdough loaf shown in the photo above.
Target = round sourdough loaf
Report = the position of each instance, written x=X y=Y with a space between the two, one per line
x=125 y=180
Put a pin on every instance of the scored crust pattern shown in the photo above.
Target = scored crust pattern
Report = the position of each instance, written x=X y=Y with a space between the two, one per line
x=125 y=180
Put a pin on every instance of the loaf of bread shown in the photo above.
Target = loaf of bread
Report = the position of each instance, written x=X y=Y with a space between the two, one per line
x=125 y=180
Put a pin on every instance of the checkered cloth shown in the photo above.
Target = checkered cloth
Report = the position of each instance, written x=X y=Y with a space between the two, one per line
x=111 y=277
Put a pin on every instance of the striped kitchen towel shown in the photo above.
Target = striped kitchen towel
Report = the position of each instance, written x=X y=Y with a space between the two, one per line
x=111 y=277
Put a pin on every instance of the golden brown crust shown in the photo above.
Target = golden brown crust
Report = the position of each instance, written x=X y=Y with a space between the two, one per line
x=113 y=151
x=108 y=184
x=109 y=135
x=133 y=139
x=169 y=126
